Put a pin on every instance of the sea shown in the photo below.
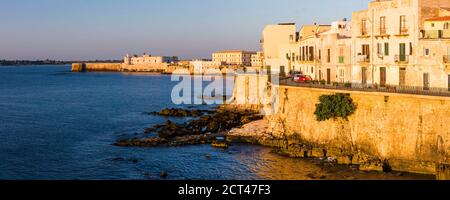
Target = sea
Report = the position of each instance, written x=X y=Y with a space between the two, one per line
x=59 y=125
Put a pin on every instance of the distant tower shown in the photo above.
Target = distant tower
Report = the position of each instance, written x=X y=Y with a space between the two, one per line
x=127 y=60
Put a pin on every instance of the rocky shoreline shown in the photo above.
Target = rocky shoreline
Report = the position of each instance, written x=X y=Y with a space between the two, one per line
x=208 y=127
x=229 y=124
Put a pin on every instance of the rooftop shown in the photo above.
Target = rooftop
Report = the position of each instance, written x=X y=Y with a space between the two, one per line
x=444 y=18
x=234 y=51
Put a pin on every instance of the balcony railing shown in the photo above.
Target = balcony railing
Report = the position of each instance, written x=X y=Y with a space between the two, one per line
x=363 y=58
x=416 y=90
x=402 y=59
x=383 y=31
x=447 y=59
x=436 y=34
x=364 y=32
x=403 y=31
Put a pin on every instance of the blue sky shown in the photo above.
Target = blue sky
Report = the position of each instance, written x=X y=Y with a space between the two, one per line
x=108 y=29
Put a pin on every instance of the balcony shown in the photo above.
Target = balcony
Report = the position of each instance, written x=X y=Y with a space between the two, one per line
x=403 y=32
x=402 y=59
x=382 y=33
x=363 y=58
x=364 y=34
x=435 y=34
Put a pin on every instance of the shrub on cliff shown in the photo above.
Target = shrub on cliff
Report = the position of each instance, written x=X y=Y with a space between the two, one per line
x=334 y=106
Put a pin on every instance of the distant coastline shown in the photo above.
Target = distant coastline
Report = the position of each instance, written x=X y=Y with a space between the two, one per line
x=48 y=62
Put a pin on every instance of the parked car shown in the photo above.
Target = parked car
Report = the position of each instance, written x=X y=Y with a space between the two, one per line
x=300 y=78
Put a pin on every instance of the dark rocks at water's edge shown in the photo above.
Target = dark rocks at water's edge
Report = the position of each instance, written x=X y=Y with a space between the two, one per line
x=204 y=130
x=173 y=112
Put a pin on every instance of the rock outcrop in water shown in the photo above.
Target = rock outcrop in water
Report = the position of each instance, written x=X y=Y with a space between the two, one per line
x=203 y=130
x=171 y=112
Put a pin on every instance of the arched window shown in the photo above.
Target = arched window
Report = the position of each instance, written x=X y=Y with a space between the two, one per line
x=446 y=26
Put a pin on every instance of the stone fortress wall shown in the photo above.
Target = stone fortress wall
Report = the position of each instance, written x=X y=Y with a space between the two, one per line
x=405 y=132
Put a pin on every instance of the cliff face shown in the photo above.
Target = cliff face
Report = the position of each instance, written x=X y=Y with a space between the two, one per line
x=402 y=132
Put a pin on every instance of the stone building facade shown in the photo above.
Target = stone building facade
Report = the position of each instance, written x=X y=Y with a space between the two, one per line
x=334 y=53
x=257 y=59
x=200 y=66
x=388 y=40
x=392 y=44
x=275 y=40
x=237 y=58
x=149 y=60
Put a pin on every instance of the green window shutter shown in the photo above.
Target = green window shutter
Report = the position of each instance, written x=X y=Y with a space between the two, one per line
x=402 y=51
x=386 y=49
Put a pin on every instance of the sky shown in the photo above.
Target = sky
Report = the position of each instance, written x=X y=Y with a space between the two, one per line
x=109 y=29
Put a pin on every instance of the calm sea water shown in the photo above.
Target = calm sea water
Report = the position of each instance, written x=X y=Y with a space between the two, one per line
x=55 y=124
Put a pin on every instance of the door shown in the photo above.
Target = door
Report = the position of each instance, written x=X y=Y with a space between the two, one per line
x=402 y=52
x=402 y=78
x=426 y=81
x=383 y=76
x=364 y=75
x=328 y=76
x=341 y=75
x=282 y=70
x=448 y=82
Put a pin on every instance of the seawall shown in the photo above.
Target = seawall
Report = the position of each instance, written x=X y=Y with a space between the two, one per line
x=82 y=67
x=387 y=132
x=120 y=67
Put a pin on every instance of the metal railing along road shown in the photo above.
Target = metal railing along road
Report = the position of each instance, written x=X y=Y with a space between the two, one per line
x=429 y=91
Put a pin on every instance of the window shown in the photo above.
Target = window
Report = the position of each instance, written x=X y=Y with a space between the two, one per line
x=379 y=49
x=410 y=48
x=364 y=27
x=382 y=25
x=341 y=75
x=329 y=55
x=341 y=55
x=366 y=50
x=311 y=53
x=446 y=26
x=432 y=25
x=426 y=52
x=386 y=49
x=403 y=28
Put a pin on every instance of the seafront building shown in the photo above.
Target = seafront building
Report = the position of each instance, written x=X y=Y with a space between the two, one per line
x=275 y=40
x=334 y=53
x=149 y=60
x=201 y=66
x=234 y=58
x=257 y=59
x=310 y=50
x=393 y=43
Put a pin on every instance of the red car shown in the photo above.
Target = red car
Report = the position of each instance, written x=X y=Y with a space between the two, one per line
x=299 y=78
